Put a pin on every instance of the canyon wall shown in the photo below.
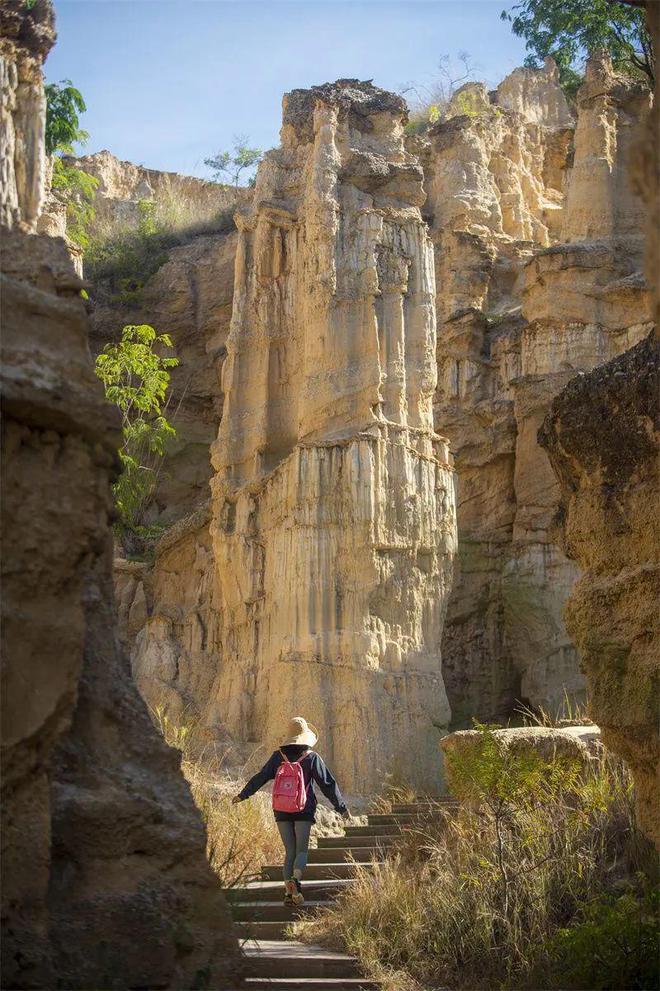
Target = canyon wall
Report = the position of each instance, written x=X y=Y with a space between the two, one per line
x=539 y=276
x=603 y=436
x=603 y=439
x=332 y=528
x=189 y=297
x=105 y=880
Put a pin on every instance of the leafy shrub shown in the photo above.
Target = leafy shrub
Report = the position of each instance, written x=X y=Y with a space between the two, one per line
x=613 y=945
x=474 y=898
x=136 y=379
x=78 y=188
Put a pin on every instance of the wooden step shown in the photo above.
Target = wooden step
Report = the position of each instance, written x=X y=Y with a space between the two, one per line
x=424 y=808
x=368 y=840
x=390 y=829
x=390 y=819
x=261 y=930
x=289 y=959
x=332 y=855
x=312 y=983
x=268 y=891
x=315 y=872
x=274 y=911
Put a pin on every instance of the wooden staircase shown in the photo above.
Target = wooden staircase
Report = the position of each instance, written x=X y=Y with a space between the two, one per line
x=261 y=918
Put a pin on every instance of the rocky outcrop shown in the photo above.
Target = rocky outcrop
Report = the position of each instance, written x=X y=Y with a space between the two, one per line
x=603 y=438
x=122 y=186
x=573 y=744
x=105 y=881
x=26 y=37
x=333 y=520
x=539 y=275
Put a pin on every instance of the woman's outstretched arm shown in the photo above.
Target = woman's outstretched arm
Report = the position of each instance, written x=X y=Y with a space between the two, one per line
x=328 y=785
x=258 y=780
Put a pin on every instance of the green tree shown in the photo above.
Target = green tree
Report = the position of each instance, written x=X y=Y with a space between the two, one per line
x=230 y=164
x=570 y=30
x=136 y=380
x=64 y=104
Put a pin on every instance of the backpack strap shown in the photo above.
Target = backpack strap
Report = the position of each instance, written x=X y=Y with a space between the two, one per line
x=284 y=757
x=302 y=756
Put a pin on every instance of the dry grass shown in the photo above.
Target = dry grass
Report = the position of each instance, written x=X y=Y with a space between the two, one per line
x=476 y=900
x=240 y=838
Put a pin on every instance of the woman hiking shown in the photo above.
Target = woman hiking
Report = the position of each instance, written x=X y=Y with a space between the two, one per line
x=295 y=767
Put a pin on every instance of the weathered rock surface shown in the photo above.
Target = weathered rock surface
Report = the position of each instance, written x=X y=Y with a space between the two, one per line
x=333 y=521
x=105 y=881
x=576 y=743
x=603 y=438
x=122 y=186
x=190 y=298
x=26 y=37
x=539 y=275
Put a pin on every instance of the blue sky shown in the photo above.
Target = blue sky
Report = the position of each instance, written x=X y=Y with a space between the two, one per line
x=168 y=82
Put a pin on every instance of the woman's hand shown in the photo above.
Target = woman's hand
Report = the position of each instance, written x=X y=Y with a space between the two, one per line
x=345 y=814
x=235 y=800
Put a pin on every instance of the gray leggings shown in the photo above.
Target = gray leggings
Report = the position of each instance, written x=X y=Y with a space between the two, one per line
x=295 y=837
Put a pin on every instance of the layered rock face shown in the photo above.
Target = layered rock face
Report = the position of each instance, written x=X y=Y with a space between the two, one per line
x=538 y=268
x=190 y=298
x=603 y=438
x=24 y=44
x=333 y=517
x=105 y=881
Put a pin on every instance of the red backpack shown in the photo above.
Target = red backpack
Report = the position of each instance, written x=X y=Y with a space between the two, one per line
x=289 y=792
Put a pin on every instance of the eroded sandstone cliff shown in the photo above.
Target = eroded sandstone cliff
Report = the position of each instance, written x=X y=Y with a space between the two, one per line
x=539 y=275
x=105 y=881
x=333 y=521
x=603 y=439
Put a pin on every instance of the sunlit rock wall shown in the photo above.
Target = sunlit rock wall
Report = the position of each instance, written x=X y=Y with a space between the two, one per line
x=538 y=268
x=333 y=514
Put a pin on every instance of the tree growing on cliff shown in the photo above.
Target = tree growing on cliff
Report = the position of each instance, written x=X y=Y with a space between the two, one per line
x=64 y=104
x=136 y=379
x=570 y=30
x=229 y=165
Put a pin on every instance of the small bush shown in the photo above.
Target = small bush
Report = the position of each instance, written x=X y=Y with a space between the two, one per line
x=614 y=944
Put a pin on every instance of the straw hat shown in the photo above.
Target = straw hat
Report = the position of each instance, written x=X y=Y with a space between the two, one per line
x=300 y=731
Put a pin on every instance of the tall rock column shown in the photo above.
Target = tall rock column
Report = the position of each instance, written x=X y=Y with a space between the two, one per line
x=333 y=509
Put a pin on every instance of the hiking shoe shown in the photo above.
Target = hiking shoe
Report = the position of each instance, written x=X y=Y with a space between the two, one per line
x=289 y=889
x=297 y=897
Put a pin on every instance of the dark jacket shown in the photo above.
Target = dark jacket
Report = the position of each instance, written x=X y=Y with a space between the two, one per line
x=314 y=770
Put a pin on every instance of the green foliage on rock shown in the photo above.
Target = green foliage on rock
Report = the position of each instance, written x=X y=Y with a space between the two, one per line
x=77 y=188
x=136 y=379
x=571 y=30
x=64 y=104
x=231 y=164
x=119 y=260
